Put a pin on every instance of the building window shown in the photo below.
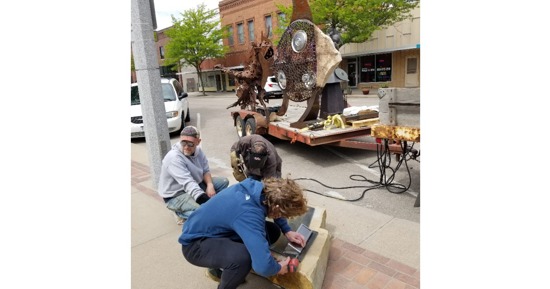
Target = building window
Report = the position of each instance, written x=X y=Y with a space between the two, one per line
x=376 y=68
x=240 y=32
x=211 y=81
x=411 y=65
x=230 y=35
x=161 y=52
x=281 y=17
x=268 y=26
x=251 y=30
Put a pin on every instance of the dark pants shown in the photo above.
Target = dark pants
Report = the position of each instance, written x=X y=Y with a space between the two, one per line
x=227 y=254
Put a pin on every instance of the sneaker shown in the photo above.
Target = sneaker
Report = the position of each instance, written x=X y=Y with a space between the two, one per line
x=179 y=220
x=214 y=274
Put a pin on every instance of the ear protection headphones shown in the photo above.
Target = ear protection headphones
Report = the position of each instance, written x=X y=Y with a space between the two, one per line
x=256 y=160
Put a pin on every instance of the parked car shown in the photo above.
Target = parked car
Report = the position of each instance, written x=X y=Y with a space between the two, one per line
x=176 y=105
x=272 y=88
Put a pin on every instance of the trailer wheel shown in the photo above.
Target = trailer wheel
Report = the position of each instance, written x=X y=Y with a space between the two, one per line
x=250 y=126
x=239 y=126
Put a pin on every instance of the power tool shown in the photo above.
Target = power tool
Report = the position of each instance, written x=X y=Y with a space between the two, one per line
x=293 y=265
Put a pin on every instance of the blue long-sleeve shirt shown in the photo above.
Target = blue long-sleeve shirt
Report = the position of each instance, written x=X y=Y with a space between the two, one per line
x=238 y=213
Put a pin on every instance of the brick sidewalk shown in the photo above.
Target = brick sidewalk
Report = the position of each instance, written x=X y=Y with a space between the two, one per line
x=349 y=266
x=352 y=267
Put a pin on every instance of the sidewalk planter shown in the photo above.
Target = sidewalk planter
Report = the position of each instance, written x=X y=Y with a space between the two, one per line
x=365 y=89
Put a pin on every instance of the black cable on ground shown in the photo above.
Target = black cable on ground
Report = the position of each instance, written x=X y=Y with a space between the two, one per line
x=384 y=157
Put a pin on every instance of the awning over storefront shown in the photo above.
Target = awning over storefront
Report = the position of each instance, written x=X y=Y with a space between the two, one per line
x=378 y=51
x=238 y=67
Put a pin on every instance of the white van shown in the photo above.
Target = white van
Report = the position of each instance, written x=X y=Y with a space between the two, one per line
x=175 y=104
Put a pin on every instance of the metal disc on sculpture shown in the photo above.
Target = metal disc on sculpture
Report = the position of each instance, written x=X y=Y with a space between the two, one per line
x=341 y=74
x=296 y=61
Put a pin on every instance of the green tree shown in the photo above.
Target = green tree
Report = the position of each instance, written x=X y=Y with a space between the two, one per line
x=356 y=20
x=283 y=22
x=195 y=38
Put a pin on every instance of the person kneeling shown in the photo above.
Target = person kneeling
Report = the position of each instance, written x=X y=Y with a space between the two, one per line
x=230 y=231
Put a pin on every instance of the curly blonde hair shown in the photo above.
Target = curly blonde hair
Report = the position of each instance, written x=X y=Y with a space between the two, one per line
x=284 y=196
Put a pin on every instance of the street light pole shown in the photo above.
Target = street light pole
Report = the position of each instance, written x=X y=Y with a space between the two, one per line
x=148 y=78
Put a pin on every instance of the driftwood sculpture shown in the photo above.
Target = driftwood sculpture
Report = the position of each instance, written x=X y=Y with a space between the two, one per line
x=251 y=80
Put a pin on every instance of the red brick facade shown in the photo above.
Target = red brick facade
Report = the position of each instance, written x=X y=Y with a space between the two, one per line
x=233 y=12
x=161 y=41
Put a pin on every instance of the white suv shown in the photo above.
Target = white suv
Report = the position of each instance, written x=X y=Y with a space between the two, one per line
x=175 y=104
x=272 y=88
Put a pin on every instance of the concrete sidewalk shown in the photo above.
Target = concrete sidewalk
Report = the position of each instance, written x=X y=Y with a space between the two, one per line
x=368 y=250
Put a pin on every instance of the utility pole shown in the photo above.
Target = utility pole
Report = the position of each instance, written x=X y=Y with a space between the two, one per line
x=150 y=92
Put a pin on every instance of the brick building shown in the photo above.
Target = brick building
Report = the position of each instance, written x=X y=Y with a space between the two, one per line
x=245 y=20
x=391 y=57
x=161 y=39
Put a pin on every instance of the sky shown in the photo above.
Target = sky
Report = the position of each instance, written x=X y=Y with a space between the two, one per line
x=165 y=8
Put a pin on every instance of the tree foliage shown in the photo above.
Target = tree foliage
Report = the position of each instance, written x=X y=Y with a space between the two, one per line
x=283 y=23
x=195 y=38
x=356 y=20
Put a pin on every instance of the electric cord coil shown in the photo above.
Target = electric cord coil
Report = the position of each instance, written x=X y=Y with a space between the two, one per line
x=383 y=163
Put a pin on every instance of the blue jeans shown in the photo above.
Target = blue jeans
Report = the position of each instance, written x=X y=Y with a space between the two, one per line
x=183 y=205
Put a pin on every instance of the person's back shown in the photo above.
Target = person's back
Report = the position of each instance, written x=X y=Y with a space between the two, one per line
x=260 y=158
x=244 y=222
x=230 y=234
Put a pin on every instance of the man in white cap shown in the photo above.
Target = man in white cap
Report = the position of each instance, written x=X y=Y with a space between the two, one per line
x=185 y=181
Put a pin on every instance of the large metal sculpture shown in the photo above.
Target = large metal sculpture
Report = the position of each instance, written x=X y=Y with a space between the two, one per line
x=305 y=64
x=305 y=59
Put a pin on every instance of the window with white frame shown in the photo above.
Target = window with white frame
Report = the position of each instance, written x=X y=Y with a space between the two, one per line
x=161 y=52
x=268 y=26
x=240 y=32
x=230 y=35
x=251 y=36
x=281 y=17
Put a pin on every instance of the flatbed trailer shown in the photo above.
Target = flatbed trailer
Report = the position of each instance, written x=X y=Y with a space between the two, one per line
x=248 y=122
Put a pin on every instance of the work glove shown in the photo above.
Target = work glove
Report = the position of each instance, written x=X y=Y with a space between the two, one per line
x=237 y=166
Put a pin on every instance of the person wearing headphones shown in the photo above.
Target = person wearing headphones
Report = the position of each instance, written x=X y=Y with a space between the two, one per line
x=259 y=157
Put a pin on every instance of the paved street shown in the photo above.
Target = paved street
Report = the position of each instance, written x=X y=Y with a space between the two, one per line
x=330 y=165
